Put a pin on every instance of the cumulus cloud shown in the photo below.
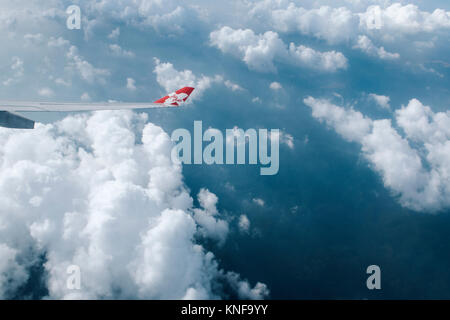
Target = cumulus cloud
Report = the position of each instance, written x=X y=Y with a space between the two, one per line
x=258 y=201
x=114 y=34
x=261 y=51
x=342 y=22
x=415 y=167
x=85 y=97
x=46 y=92
x=58 y=42
x=287 y=139
x=17 y=69
x=120 y=52
x=100 y=191
x=382 y=101
x=256 y=100
x=355 y=22
x=16 y=14
x=33 y=39
x=284 y=138
x=207 y=217
x=244 y=290
x=86 y=70
x=131 y=84
x=233 y=86
x=366 y=45
x=244 y=223
x=171 y=79
x=348 y=123
x=275 y=86
x=62 y=82
x=168 y=17
x=404 y=19
x=331 y=24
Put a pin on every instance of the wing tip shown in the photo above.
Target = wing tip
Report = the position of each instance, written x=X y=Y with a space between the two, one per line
x=176 y=98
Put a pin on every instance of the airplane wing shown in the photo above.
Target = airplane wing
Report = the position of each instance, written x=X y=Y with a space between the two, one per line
x=9 y=118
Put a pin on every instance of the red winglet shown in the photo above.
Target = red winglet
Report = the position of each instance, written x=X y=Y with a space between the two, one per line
x=176 y=98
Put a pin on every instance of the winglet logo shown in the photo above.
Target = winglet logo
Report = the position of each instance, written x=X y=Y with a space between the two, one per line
x=176 y=98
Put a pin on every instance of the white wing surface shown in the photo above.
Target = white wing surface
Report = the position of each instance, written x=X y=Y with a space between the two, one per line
x=10 y=119
x=24 y=106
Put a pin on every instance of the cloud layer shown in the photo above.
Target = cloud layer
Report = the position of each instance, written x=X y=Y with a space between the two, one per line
x=100 y=192
x=415 y=167
x=261 y=51
x=339 y=22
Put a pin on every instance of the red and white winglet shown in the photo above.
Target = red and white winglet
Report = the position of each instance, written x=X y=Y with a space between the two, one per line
x=176 y=98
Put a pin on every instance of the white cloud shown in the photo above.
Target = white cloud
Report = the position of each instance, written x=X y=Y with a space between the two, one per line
x=259 y=292
x=85 y=97
x=120 y=52
x=399 y=161
x=340 y=22
x=131 y=84
x=382 y=101
x=348 y=123
x=275 y=86
x=171 y=79
x=114 y=34
x=287 y=139
x=208 y=201
x=260 y=202
x=404 y=19
x=86 y=71
x=100 y=191
x=244 y=290
x=244 y=223
x=233 y=86
x=422 y=125
x=17 y=71
x=207 y=217
x=46 y=92
x=366 y=45
x=62 y=82
x=331 y=24
x=256 y=100
x=283 y=138
x=33 y=39
x=58 y=42
x=168 y=17
x=260 y=52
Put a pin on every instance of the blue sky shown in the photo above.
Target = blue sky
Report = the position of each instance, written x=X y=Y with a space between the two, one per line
x=361 y=101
